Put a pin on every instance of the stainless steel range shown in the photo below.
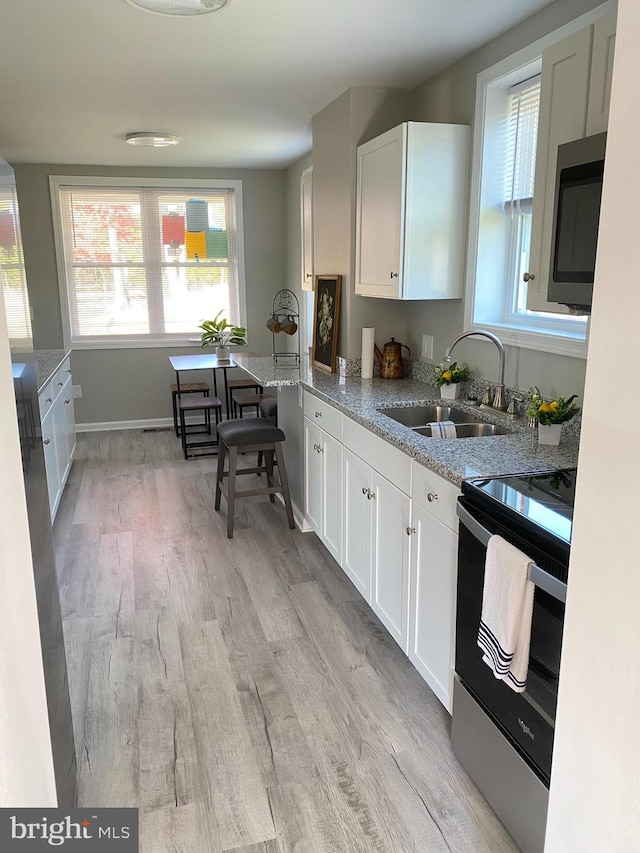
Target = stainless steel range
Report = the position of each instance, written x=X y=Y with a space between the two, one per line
x=505 y=739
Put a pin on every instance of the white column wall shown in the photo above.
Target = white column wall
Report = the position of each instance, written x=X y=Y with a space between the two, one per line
x=26 y=764
x=595 y=783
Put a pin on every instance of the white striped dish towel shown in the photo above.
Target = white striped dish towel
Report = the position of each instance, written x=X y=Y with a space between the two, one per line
x=442 y=429
x=507 y=608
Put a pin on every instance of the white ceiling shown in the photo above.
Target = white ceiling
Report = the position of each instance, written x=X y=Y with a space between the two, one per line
x=239 y=86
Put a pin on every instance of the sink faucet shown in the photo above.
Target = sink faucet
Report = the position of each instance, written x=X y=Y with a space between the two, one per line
x=498 y=399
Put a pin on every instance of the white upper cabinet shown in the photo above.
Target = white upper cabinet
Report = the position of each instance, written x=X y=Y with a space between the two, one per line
x=306 y=229
x=411 y=212
x=574 y=102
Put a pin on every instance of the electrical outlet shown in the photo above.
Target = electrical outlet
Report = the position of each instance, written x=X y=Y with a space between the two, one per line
x=427 y=346
x=77 y=391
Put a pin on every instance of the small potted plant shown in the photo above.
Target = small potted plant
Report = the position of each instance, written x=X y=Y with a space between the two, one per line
x=550 y=415
x=449 y=379
x=221 y=334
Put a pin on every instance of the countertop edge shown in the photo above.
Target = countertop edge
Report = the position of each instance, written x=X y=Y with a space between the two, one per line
x=47 y=362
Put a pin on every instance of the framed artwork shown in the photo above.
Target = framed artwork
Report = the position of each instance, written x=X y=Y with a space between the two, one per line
x=326 y=316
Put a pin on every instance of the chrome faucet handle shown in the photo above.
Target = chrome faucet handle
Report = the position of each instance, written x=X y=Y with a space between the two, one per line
x=488 y=396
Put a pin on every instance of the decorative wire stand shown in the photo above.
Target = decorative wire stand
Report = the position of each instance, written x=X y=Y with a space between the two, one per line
x=285 y=313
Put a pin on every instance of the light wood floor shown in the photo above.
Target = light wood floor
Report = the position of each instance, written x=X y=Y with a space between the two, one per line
x=240 y=693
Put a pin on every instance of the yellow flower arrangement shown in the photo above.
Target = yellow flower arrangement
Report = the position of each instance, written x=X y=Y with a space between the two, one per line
x=553 y=411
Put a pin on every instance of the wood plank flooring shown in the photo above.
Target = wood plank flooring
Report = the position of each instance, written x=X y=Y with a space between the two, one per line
x=240 y=693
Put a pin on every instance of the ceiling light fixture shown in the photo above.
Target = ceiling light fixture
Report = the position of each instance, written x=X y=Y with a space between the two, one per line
x=152 y=140
x=180 y=7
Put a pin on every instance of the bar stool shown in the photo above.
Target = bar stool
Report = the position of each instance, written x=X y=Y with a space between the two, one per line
x=251 y=434
x=200 y=388
x=196 y=404
x=248 y=401
x=268 y=408
x=245 y=384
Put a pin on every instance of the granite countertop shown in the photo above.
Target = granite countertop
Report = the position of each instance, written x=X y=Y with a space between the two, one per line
x=47 y=362
x=456 y=460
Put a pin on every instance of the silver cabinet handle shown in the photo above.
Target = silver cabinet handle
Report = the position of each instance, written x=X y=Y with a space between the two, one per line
x=49 y=400
x=431 y=497
x=66 y=402
x=410 y=530
x=68 y=370
x=317 y=448
x=364 y=490
x=528 y=276
x=47 y=441
x=318 y=414
x=393 y=275
x=61 y=384
x=370 y=495
x=309 y=275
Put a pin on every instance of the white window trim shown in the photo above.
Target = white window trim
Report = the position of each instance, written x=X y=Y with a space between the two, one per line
x=56 y=181
x=557 y=341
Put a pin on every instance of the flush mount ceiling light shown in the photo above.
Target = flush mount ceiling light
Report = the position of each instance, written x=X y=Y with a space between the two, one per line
x=152 y=140
x=180 y=7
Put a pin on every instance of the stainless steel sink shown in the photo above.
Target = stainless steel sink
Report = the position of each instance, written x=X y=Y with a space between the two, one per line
x=468 y=430
x=420 y=416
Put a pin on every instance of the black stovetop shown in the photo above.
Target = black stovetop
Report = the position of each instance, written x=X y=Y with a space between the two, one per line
x=544 y=500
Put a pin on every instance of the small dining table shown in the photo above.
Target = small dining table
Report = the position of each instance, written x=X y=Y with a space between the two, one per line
x=204 y=361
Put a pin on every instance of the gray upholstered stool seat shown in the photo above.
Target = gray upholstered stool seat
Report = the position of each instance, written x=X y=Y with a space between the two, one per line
x=269 y=408
x=251 y=434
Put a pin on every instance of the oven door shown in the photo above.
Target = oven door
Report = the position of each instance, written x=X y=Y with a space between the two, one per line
x=527 y=719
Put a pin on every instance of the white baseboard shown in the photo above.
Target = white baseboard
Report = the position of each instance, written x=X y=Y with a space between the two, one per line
x=298 y=516
x=107 y=426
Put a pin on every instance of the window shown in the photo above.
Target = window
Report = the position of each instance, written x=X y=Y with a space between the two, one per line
x=12 y=273
x=507 y=112
x=145 y=265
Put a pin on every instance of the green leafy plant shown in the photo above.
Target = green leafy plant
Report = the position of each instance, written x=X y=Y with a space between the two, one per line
x=451 y=374
x=220 y=333
x=549 y=412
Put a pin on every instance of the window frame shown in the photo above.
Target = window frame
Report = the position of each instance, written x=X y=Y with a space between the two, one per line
x=552 y=335
x=188 y=184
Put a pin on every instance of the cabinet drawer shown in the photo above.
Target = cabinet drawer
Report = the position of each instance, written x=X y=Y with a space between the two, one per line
x=45 y=399
x=327 y=418
x=379 y=454
x=60 y=377
x=435 y=494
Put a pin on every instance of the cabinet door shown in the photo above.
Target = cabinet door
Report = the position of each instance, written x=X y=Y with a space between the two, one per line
x=51 y=461
x=66 y=398
x=306 y=229
x=356 y=524
x=331 y=458
x=604 y=42
x=563 y=116
x=313 y=475
x=390 y=558
x=380 y=214
x=432 y=602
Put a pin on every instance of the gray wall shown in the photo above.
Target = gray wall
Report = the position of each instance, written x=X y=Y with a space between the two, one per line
x=450 y=97
x=132 y=384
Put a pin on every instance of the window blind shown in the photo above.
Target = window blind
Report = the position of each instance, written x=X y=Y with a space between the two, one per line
x=522 y=136
x=147 y=263
x=12 y=272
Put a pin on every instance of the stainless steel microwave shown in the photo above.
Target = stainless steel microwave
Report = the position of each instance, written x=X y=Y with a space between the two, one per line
x=576 y=217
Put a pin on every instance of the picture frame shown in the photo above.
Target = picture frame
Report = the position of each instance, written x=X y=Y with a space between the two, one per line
x=326 y=320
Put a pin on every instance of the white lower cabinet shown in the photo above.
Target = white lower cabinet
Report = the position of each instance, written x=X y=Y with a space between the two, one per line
x=58 y=432
x=391 y=524
x=323 y=486
x=434 y=553
x=356 y=522
x=391 y=511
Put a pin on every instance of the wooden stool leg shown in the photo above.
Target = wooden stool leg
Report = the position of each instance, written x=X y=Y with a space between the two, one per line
x=268 y=459
x=174 y=405
x=231 y=490
x=220 y=473
x=260 y=462
x=285 y=484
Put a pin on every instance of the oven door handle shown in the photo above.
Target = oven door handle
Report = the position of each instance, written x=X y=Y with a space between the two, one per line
x=554 y=587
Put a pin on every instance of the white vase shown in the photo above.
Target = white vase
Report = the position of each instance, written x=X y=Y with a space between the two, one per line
x=549 y=434
x=223 y=353
x=451 y=391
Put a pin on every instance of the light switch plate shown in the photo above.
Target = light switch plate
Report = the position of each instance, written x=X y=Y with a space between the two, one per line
x=427 y=346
